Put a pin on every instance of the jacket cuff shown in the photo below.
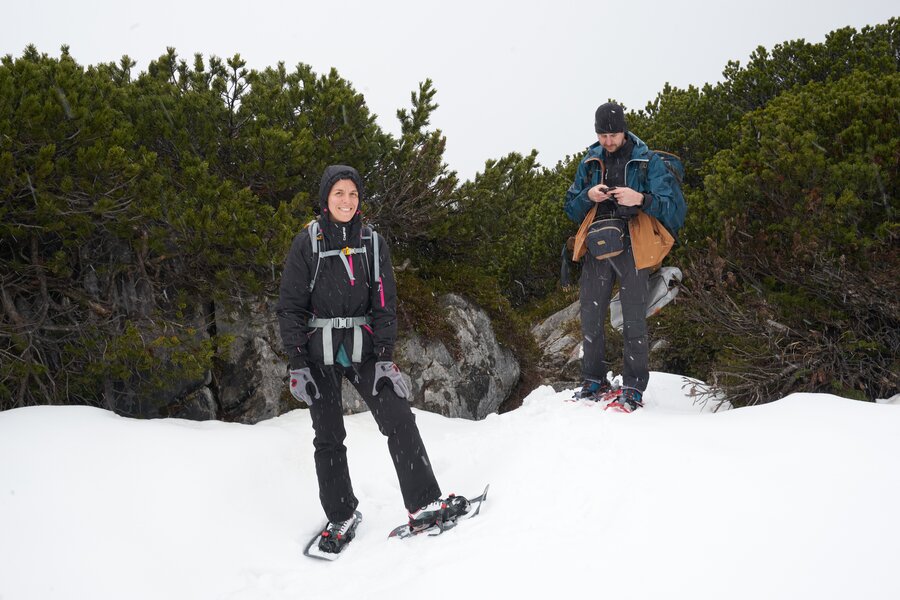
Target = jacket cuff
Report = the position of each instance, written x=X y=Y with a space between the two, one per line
x=385 y=354
x=298 y=362
x=648 y=201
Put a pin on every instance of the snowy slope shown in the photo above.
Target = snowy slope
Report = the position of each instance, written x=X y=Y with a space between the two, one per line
x=796 y=499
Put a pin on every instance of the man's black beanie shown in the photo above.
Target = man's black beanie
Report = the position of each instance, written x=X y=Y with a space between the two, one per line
x=610 y=118
x=331 y=176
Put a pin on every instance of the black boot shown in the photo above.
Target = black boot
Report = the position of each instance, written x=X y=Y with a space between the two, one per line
x=339 y=534
x=594 y=390
x=438 y=512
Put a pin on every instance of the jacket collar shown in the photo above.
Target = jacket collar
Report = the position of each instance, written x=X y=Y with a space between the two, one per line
x=640 y=149
x=339 y=235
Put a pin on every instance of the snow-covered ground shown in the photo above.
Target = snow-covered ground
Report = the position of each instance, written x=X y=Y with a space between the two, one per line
x=796 y=499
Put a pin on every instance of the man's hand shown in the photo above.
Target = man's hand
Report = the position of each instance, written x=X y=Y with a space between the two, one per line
x=625 y=196
x=599 y=193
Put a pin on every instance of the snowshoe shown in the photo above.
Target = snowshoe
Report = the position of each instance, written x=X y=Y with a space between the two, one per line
x=593 y=390
x=439 y=511
x=440 y=516
x=334 y=538
x=628 y=400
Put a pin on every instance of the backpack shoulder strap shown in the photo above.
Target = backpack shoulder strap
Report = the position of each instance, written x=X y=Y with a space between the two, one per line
x=368 y=233
x=315 y=236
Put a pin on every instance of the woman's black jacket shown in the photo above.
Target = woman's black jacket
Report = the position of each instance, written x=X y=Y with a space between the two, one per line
x=334 y=295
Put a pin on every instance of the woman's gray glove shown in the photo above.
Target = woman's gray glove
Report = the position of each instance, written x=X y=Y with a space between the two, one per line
x=387 y=369
x=303 y=388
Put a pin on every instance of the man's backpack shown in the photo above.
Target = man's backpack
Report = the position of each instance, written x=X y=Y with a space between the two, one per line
x=676 y=168
x=663 y=288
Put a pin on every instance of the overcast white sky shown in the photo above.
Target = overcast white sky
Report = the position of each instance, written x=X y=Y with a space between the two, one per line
x=510 y=76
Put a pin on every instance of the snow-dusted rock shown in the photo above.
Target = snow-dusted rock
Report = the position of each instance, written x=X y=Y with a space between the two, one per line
x=252 y=384
x=559 y=339
x=353 y=402
x=198 y=406
x=472 y=385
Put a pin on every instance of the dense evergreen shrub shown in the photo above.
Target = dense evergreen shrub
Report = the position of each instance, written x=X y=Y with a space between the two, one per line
x=133 y=209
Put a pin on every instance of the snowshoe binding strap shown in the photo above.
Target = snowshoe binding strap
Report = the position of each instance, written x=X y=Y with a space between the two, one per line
x=337 y=535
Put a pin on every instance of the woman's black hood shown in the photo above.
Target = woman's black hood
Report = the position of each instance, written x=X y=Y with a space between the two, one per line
x=332 y=175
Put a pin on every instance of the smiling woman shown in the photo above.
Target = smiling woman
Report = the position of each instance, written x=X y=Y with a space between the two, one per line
x=343 y=201
x=337 y=310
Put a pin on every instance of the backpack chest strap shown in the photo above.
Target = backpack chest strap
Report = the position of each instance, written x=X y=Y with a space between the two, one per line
x=327 y=325
x=343 y=253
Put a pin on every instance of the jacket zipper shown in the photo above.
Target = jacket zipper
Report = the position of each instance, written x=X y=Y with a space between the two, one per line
x=646 y=160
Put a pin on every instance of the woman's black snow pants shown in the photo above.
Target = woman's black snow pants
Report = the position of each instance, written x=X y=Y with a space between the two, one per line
x=395 y=420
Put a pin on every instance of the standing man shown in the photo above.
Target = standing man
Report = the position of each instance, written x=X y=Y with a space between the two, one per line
x=620 y=176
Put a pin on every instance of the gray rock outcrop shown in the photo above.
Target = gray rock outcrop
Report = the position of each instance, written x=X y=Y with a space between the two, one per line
x=559 y=338
x=472 y=385
x=251 y=387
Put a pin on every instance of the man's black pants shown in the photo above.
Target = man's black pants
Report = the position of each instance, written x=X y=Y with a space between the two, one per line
x=597 y=279
x=395 y=420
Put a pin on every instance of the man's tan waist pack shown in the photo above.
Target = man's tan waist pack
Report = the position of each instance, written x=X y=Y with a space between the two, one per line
x=650 y=241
